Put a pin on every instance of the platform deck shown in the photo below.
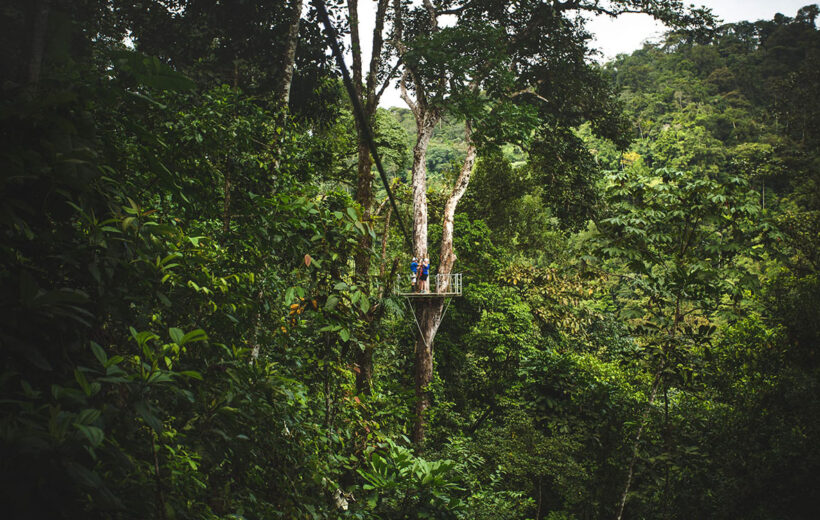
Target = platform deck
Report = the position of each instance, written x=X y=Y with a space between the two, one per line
x=428 y=295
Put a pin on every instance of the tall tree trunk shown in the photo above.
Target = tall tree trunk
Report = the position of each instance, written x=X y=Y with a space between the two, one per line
x=385 y=234
x=425 y=125
x=38 y=41
x=282 y=92
x=160 y=505
x=367 y=94
x=428 y=312
x=447 y=257
x=364 y=197
x=364 y=376
x=365 y=361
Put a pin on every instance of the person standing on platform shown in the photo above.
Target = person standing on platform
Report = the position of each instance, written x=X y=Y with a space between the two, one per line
x=425 y=273
x=414 y=268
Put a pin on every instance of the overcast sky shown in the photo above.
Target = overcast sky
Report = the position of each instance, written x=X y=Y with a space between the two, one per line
x=623 y=35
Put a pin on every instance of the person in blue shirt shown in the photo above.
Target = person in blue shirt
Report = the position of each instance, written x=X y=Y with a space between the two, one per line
x=414 y=268
x=425 y=272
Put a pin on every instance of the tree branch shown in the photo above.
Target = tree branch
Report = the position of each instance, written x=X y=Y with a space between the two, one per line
x=530 y=91
x=389 y=77
x=355 y=45
x=375 y=57
x=406 y=97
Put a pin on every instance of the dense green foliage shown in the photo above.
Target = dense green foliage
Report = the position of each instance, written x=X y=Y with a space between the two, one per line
x=179 y=320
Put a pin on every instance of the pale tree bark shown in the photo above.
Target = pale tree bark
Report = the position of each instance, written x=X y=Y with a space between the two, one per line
x=447 y=257
x=427 y=111
x=282 y=92
x=426 y=120
x=429 y=311
x=427 y=117
x=424 y=133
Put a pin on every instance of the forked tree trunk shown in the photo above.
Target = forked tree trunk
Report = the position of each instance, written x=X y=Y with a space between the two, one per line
x=429 y=310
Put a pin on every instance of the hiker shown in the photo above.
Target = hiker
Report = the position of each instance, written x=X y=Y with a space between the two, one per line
x=414 y=267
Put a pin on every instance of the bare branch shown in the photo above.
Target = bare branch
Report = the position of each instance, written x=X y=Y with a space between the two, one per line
x=288 y=57
x=406 y=96
x=455 y=10
x=578 y=5
x=636 y=444
x=531 y=92
x=387 y=80
x=381 y=207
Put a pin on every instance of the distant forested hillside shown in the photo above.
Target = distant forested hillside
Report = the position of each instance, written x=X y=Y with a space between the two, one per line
x=447 y=147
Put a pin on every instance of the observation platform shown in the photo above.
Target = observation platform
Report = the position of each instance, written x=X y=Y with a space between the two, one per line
x=446 y=286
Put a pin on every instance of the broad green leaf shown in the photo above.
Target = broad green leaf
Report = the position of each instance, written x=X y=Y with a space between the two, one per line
x=194 y=335
x=94 y=434
x=176 y=335
x=99 y=353
x=145 y=411
x=82 y=381
x=192 y=374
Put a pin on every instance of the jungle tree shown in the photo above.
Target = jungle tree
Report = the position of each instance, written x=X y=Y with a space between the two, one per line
x=510 y=71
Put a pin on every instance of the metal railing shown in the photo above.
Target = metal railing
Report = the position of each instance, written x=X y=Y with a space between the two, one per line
x=446 y=285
